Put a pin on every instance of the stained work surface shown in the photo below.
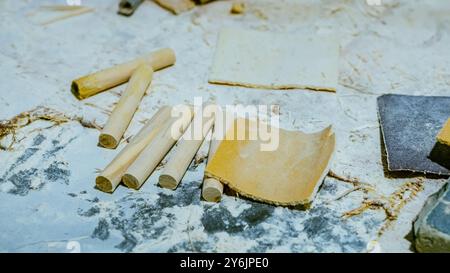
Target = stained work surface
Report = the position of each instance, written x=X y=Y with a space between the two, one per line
x=275 y=60
x=48 y=168
x=290 y=173
x=409 y=125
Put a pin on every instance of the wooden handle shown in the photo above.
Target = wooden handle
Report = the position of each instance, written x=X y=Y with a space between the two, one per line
x=128 y=104
x=100 y=81
x=151 y=156
x=185 y=151
x=110 y=177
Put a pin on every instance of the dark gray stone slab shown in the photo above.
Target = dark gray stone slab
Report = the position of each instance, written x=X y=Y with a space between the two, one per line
x=409 y=125
x=432 y=227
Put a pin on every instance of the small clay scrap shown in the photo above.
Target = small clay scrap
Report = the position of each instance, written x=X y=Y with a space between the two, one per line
x=275 y=60
x=441 y=150
x=409 y=125
x=237 y=8
x=432 y=226
x=289 y=175
x=176 y=6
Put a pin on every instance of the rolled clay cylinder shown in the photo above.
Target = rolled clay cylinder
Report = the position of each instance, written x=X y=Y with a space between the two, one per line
x=100 y=81
x=110 y=177
x=151 y=156
x=128 y=104
x=185 y=152
x=212 y=189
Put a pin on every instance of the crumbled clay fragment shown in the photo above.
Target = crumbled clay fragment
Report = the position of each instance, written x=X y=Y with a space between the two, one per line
x=275 y=60
x=176 y=6
x=288 y=176
x=237 y=8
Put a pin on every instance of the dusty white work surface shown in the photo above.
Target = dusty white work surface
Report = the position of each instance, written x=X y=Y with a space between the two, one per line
x=47 y=198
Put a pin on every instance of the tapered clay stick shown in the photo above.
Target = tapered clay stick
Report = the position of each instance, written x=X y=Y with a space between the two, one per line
x=100 y=81
x=152 y=155
x=110 y=177
x=128 y=104
x=212 y=189
x=185 y=151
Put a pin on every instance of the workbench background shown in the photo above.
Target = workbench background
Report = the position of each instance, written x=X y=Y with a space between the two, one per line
x=48 y=201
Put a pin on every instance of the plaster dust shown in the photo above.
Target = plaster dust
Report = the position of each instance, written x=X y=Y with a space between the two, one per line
x=400 y=47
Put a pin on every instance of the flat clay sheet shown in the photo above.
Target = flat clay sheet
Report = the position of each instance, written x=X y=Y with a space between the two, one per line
x=409 y=126
x=275 y=60
x=287 y=176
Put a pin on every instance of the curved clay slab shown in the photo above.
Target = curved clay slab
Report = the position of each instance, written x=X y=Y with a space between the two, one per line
x=290 y=175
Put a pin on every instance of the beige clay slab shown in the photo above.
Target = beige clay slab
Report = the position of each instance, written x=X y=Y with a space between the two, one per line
x=288 y=176
x=275 y=60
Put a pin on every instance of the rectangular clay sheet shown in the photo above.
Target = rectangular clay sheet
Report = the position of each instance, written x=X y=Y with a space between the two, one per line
x=275 y=60
x=409 y=126
x=288 y=176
